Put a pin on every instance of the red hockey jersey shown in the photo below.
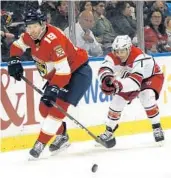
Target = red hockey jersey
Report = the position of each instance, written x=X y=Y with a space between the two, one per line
x=55 y=56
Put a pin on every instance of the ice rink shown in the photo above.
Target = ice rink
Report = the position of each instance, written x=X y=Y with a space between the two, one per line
x=133 y=157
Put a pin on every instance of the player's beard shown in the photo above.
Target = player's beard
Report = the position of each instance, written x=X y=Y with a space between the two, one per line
x=41 y=34
x=124 y=59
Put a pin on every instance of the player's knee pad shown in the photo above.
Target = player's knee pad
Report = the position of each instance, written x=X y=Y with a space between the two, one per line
x=147 y=98
x=118 y=103
x=51 y=125
x=114 y=115
x=54 y=112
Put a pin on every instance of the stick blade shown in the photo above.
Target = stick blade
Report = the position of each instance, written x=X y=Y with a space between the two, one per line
x=107 y=144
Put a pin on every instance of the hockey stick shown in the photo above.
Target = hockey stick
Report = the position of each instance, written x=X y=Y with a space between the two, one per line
x=107 y=144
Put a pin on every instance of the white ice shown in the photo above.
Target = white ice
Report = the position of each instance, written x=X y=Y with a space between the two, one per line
x=133 y=157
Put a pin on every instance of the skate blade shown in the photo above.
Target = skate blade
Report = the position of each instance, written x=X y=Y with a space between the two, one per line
x=98 y=145
x=160 y=143
x=62 y=148
x=32 y=158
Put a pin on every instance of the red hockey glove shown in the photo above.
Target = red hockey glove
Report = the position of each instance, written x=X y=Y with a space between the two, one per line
x=117 y=85
x=106 y=87
x=111 y=86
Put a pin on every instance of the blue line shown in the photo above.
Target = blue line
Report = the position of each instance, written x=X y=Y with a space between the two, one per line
x=161 y=54
x=92 y=59
x=25 y=63
x=96 y=58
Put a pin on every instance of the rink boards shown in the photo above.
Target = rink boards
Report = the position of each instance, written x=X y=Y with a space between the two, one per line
x=21 y=121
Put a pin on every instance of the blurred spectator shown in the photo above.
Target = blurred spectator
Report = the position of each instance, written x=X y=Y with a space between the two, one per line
x=154 y=5
x=6 y=37
x=49 y=8
x=133 y=9
x=155 y=33
x=102 y=29
x=84 y=36
x=168 y=4
x=49 y=18
x=146 y=10
x=85 y=5
x=110 y=9
x=161 y=5
x=17 y=7
x=122 y=22
x=62 y=15
x=168 y=29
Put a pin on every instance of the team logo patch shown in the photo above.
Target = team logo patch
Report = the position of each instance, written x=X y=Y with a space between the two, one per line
x=59 y=51
x=42 y=68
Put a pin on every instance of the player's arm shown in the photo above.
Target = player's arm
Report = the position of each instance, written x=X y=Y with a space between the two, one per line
x=106 y=68
x=128 y=84
x=18 y=47
x=60 y=78
x=62 y=70
x=105 y=73
x=143 y=68
x=134 y=79
x=62 y=73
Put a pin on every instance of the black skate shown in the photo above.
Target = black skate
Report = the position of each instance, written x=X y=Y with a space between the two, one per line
x=37 y=149
x=108 y=138
x=158 y=132
x=61 y=141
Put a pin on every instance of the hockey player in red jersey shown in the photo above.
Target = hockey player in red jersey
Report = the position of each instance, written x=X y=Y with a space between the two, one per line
x=126 y=73
x=63 y=65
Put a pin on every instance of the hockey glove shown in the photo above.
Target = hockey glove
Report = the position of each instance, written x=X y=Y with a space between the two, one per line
x=50 y=94
x=117 y=85
x=111 y=86
x=106 y=86
x=15 y=68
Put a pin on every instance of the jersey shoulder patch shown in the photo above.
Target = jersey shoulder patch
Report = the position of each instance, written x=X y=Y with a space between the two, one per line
x=59 y=51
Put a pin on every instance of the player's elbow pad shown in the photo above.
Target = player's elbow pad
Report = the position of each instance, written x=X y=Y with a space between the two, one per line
x=103 y=73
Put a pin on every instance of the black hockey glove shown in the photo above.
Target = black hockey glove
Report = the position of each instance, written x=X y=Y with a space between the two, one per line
x=50 y=94
x=15 y=68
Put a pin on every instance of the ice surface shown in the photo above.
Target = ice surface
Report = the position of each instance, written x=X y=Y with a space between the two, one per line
x=133 y=157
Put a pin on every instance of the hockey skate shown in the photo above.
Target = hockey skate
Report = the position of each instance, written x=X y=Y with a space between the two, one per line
x=60 y=142
x=158 y=132
x=37 y=149
x=108 y=138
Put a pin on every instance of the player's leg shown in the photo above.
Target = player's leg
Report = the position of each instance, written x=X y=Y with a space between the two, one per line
x=51 y=124
x=74 y=91
x=79 y=83
x=149 y=95
x=148 y=100
x=62 y=139
x=116 y=107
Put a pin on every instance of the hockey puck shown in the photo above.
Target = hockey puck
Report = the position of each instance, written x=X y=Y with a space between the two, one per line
x=94 y=168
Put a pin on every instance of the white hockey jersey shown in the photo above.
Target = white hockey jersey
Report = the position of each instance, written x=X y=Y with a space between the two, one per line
x=139 y=66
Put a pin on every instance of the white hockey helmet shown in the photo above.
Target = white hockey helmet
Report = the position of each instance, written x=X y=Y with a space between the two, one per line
x=122 y=42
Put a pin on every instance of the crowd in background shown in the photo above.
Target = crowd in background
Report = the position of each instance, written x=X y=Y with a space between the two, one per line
x=97 y=23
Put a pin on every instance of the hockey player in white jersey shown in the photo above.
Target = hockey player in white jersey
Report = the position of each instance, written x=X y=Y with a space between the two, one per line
x=126 y=73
